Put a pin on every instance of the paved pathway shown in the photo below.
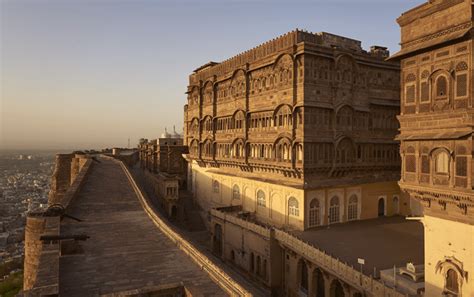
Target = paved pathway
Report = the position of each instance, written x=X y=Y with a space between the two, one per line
x=199 y=237
x=126 y=250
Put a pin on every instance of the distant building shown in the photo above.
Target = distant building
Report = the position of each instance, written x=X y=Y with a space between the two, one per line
x=165 y=168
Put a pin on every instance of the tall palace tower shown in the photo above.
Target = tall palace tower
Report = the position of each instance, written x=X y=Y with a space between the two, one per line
x=299 y=130
x=437 y=118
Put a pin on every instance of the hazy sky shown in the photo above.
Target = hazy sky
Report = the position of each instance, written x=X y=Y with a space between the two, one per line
x=92 y=73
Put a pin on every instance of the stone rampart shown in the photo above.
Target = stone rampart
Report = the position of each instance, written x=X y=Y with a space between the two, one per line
x=214 y=272
x=41 y=264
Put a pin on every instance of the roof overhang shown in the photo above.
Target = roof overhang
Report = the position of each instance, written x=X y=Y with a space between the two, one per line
x=431 y=41
x=433 y=135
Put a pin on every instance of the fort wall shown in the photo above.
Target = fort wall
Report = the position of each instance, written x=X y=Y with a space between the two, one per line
x=214 y=272
x=41 y=264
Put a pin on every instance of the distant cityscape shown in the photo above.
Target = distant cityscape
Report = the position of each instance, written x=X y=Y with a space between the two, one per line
x=24 y=185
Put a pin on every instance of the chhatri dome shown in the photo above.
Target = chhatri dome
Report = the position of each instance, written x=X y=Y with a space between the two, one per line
x=171 y=135
x=175 y=134
x=165 y=134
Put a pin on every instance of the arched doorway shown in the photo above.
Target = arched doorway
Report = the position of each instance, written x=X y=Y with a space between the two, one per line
x=336 y=289
x=318 y=282
x=303 y=276
x=381 y=207
x=217 y=240
x=174 y=212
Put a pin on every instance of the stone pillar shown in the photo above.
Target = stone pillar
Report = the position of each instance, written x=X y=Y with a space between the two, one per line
x=311 y=282
x=61 y=179
x=34 y=229
x=327 y=285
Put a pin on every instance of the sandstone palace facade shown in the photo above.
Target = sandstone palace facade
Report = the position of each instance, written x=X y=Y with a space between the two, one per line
x=437 y=118
x=287 y=141
x=299 y=130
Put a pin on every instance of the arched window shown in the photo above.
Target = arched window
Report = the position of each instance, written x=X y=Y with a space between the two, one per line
x=314 y=213
x=215 y=186
x=462 y=79
x=336 y=289
x=410 y=160
x=334 y=210
x=442 y=163
x=441 y=87
x=396 y=205
x=236 y=192
x=452 y=285
x=299 y=152
x=258 y=266
x=352 y=210
x=261 y=198
x=252 y=262
x=194 y=148
x=293 y=209
x=303 y=276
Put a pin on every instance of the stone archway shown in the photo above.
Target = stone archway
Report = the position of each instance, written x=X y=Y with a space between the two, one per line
x=318 y=283
x=336 y=289
x=381 y=207
x=303 y=281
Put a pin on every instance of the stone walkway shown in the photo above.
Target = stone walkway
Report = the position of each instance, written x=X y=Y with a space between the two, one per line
x=199 y=238
x=125 y=250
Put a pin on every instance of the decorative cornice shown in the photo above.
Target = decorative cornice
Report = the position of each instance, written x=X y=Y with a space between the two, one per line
x=437 y=34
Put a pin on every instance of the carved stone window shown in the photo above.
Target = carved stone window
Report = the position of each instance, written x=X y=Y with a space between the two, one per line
x=425 y=164
x=334 y=210
x=345 y=152
x=215 y=186
x=410 y=88
x=352 y=211
x=314 y=213
x=236 y=192
x=461 y=79
x=261 y=201
x=425 y=87
x=293 y=207
x=410 y=160
x=410 y=94
x=441 y=87
x=299 y=152
x=461 y=166
x=442 y=162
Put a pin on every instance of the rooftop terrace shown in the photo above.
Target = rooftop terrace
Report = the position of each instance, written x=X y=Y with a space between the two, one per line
x=382 y=242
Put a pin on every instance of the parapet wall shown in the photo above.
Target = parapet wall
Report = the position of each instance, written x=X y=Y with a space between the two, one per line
x=336 y=267
x=41 y=264
x=67 y=168
x=214 y=272
x=332 y=265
